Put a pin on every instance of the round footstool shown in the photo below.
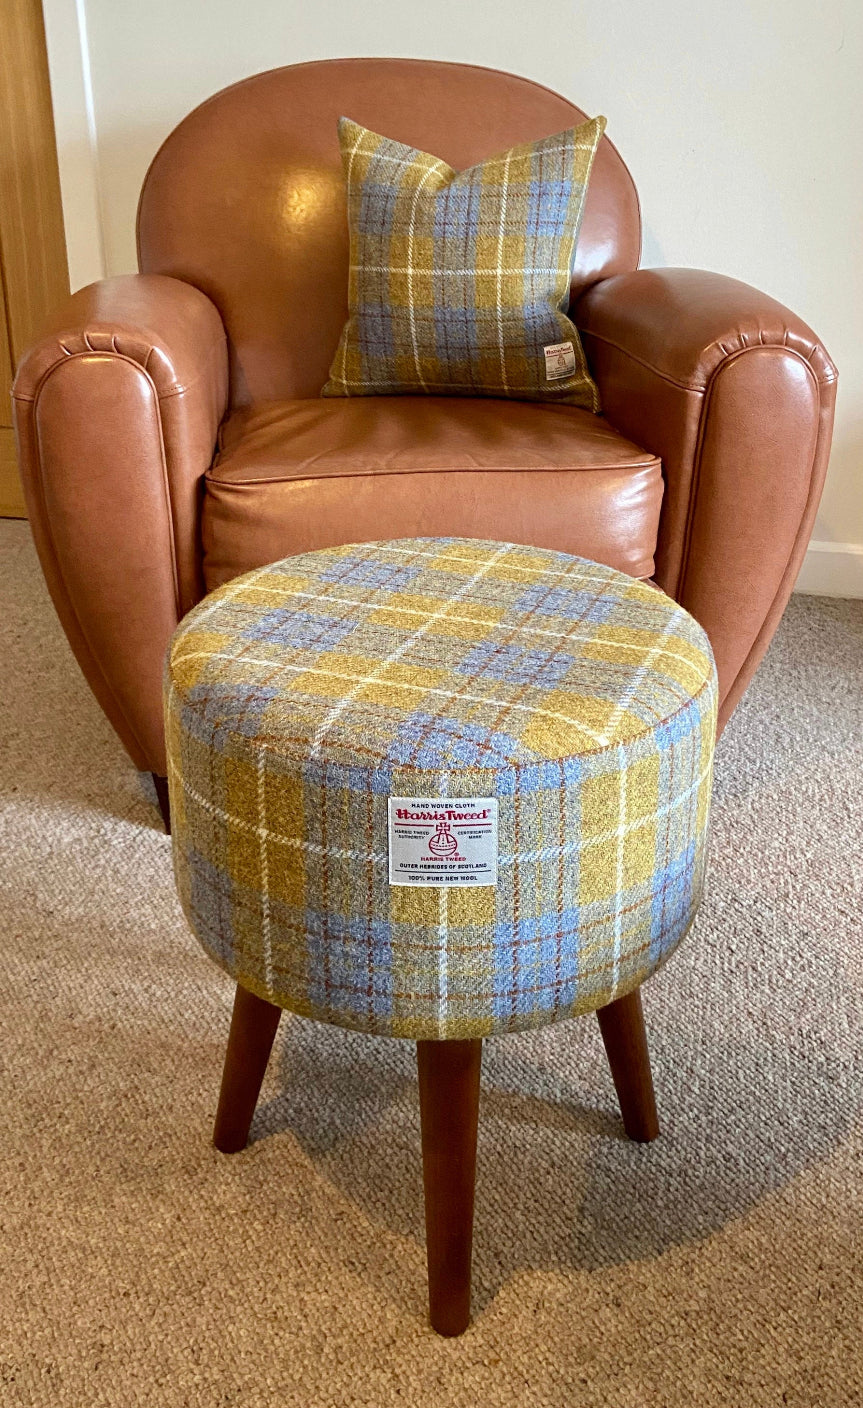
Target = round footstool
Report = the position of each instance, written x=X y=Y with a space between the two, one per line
x=440 y=789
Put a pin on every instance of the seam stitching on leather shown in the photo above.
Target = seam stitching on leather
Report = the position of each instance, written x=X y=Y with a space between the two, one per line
x=696 y=475
x=176 y=389
x=633 y=357
x=181 y=388
x=828 y=379
x=653 y=463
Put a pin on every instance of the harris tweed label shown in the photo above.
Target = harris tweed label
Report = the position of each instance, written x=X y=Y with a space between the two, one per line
x=559 y=360
x=443 y=840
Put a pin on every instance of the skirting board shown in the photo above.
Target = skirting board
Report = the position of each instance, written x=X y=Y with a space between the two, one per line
x=832 y=569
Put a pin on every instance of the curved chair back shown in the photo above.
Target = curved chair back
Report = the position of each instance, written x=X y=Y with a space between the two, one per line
x=246 y=198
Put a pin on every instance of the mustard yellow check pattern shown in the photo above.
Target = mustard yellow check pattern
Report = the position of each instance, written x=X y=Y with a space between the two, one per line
x=459 y=281
x=300 y=697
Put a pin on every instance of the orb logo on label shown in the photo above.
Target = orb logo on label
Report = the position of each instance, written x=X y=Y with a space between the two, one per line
x=443 y=843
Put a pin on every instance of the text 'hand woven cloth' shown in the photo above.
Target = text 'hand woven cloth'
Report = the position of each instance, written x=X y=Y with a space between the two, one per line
x=546 y=725
x=459 y=281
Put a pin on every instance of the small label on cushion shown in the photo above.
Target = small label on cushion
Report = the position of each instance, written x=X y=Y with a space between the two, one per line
x=443 y=841
x=559 y=360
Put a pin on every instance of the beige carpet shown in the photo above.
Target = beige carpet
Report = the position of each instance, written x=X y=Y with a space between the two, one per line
x=722 y=1265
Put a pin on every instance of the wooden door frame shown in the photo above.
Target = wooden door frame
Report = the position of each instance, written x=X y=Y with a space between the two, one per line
x=34 y=270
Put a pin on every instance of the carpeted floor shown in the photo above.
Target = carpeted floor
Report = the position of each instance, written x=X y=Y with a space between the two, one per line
x=721 y=1265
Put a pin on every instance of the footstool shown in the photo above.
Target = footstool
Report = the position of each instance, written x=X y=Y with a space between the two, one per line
x=439 y=789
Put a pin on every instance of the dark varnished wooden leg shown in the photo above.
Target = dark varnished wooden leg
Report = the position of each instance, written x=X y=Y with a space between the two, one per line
x=253 y=1030
x=622 y=1027
x=449 y=1109
x=161 y=786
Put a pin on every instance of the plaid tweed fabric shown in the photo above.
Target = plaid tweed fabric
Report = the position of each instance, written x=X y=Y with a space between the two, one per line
x=300 y=697
x=459 y=281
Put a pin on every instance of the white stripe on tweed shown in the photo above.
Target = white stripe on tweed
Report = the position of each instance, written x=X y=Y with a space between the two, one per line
x=414 y=152
x=254 y=829
x=411 y=227
x=354 y=149
x=361 y=680
x=265 y=874
x=504 y=625
x=607 y=576
x=621 y=846
x=655 y=650
x=443 y=920
x=346 y=698
x=228 y=593
x=402 y=161
x=584 y=843
x=442 y=958
x=572 y=146
x=381 y=858
x=503 y=195
x=451 y=273
x=240 y=584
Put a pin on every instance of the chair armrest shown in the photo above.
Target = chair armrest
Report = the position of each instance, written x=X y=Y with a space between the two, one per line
x=117 y=408
x=735 y=394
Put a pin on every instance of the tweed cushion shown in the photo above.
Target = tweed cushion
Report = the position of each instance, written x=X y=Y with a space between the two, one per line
x=459 y=281
x=302 y=696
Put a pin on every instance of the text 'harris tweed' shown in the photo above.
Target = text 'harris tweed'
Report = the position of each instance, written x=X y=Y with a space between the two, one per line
x=302 y=696
x=459 y=281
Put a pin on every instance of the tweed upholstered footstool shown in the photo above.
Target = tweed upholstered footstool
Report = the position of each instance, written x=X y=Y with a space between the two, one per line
x=439 y=789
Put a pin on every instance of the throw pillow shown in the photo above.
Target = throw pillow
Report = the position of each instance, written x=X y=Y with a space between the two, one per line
x=459 y=281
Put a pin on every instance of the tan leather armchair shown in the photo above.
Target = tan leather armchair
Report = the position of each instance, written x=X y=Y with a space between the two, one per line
x=171 y=433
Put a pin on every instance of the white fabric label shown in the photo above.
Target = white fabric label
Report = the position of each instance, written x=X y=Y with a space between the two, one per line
x=559 y=360
x=443 y=840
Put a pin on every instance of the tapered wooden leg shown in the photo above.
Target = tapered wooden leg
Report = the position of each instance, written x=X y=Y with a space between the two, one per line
x=161 y=786
x=253 y=1030
x=449 y=1109
x=622 y=1027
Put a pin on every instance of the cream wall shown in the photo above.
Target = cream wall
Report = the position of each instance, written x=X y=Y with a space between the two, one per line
x=740 y=122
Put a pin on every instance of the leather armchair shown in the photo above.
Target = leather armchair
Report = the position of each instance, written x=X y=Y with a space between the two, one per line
x=171 y=434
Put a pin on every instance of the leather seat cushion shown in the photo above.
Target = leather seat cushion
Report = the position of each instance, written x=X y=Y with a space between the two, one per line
x=291 y=476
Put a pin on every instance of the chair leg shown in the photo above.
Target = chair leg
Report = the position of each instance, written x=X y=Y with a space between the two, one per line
x=449 y=1109
x=622 y=1027
x=161 y=786
x=253 y=1030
